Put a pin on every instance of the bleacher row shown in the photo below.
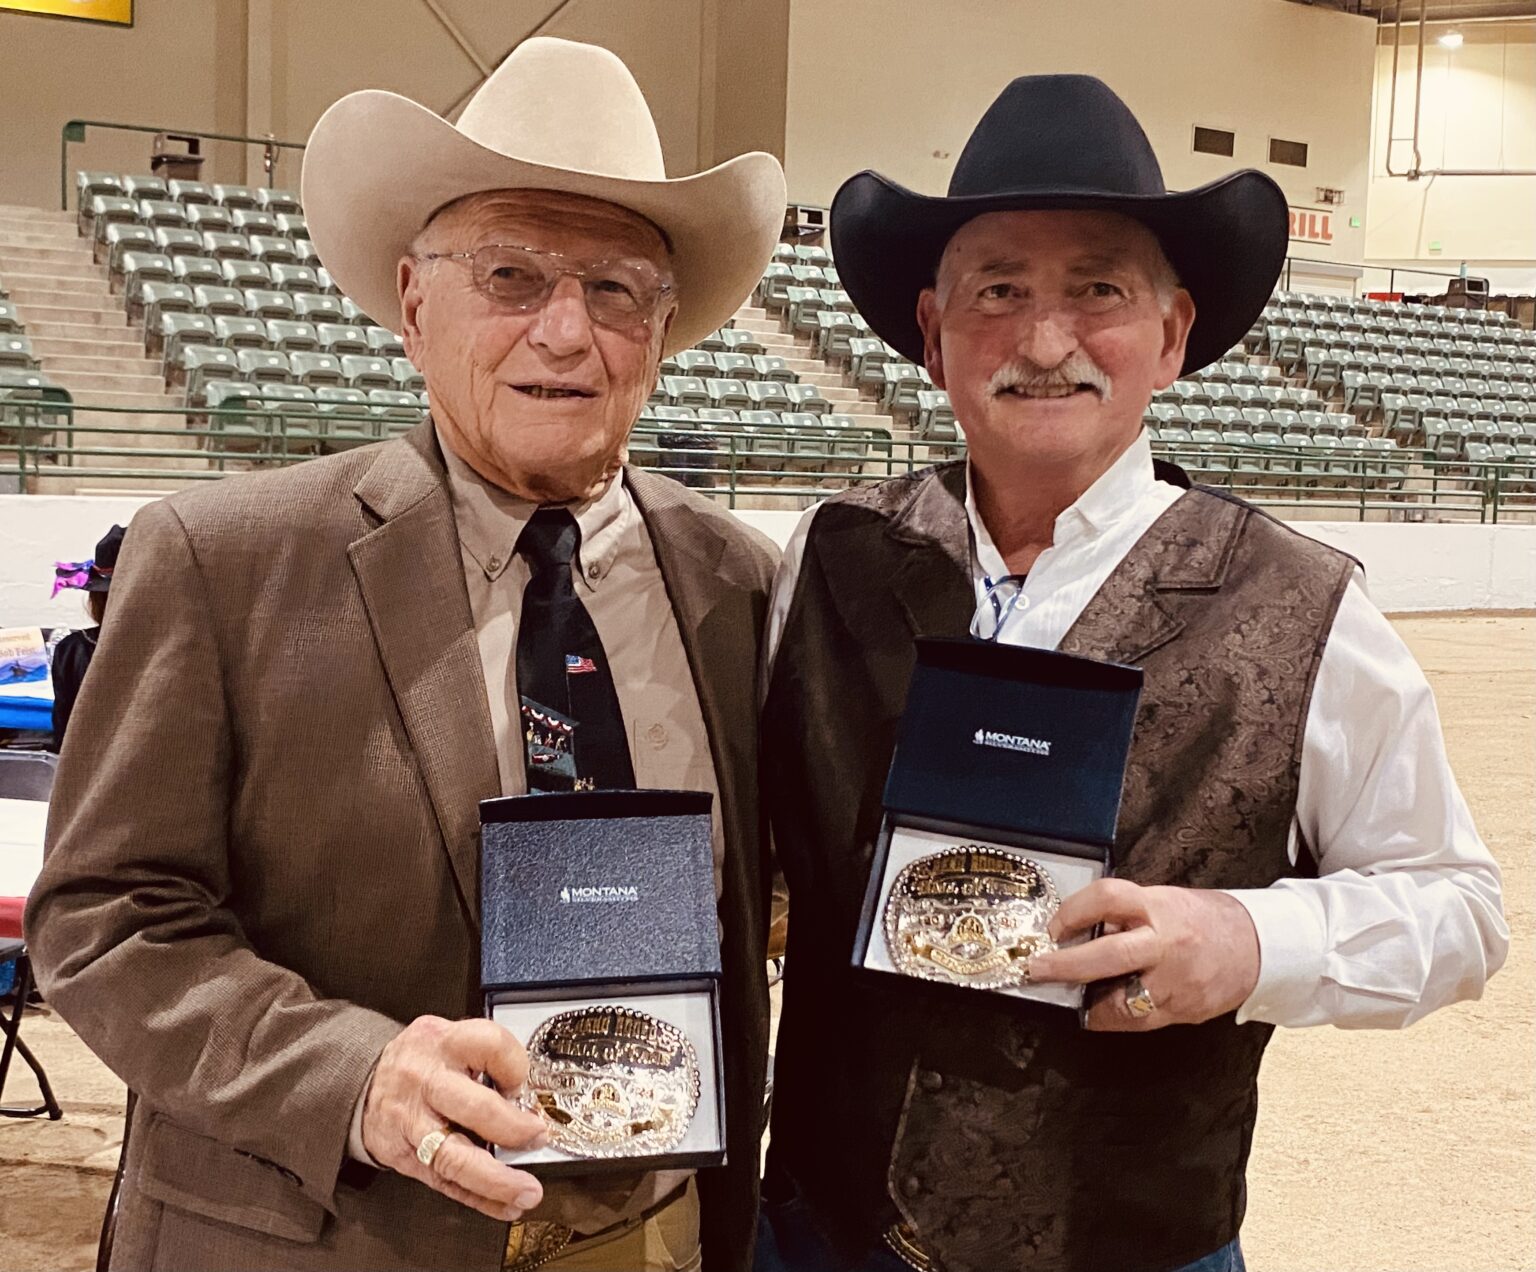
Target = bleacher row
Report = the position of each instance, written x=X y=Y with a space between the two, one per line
x=241 y=315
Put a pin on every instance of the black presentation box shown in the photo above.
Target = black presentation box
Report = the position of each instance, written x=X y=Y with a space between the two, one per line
x=1003 y=753
x=600 y=951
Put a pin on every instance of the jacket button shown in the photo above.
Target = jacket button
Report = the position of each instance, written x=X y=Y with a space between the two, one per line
x=930 y=1081
x=911 y=1185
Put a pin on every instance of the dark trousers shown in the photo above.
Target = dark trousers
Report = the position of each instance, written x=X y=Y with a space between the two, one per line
x=788 y=1241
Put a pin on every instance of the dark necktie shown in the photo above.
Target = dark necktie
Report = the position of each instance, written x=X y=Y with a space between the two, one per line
x=573 y=729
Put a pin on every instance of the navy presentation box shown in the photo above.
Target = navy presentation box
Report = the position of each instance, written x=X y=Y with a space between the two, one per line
x=600 y=951
x=1001 y=801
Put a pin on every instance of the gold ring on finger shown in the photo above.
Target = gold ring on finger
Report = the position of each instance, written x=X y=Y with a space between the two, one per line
x=1137 y=1001
x=426 y=1150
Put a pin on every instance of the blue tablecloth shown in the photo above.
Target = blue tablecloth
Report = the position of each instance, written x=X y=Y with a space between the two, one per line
x=26 y=713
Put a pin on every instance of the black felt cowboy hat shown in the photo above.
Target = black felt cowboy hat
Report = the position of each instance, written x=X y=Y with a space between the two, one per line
x=1064 y=142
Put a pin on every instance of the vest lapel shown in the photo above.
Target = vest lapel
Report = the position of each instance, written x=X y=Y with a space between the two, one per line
x=1187 y=549
x=411 y=577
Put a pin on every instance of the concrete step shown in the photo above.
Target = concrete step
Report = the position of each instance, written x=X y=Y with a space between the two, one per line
x=16 y=257
x=23 y=234
x=78 y=308
x=93 y=336
x=841 y=393
x=129 y=442
x=95 y=395
x=762 y=326
x=140 y=419
x=862 y=408
x=822 y=379
x=55 y=347
x=70 y=368
x=26 y=212
x=76 y=284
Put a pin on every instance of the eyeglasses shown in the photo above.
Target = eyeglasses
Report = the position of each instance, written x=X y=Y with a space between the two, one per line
x=619 y=293
x=997 y=606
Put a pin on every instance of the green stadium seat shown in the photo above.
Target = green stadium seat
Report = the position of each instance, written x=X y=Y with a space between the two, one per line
x=383 y=343
x=278 y=202
x=272 y=249
x=153 y=300
x=294 y=423
x=200 y=366
x=189 y=192
x=118 y=239
x=143 y=187
x=807 y=397
x=175 y=332
x=217 y=300
x=407 y=377
x=296 y=280
x=268 y=303
x=288 y=336
x=236 y=196
x=363 y=372
x=727 y=394
x=340 y=338
x=162 y=212
x=318 y=307
x=292 y=226
x=244 y=274
x=319 y=370
x=768 y=395
x=89 y=186
x=16 y=353
x=352 y=312
x=10 y=320
x=395 y=410
x=178 y=241
x=138 y=268
x=237 y=416
x=739 y=340
x=240 y=332
x=697 y=363
x=226 y=247
x=263 y=366
x=345 y=420
x=210 y=218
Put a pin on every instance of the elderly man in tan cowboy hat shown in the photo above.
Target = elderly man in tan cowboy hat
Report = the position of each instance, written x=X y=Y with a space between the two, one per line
x=1291 y=849
x=259 y=903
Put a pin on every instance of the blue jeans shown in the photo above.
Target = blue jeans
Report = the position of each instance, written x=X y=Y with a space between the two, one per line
x=787 y=1241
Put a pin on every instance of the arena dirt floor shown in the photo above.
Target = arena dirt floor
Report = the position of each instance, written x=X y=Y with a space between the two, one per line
x=1375 y=1151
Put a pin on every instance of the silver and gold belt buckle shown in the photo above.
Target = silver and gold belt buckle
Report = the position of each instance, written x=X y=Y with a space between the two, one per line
x=970 y=915
x=613 y=1082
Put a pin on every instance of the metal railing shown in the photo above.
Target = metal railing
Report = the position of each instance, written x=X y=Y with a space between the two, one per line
x=74 y=131
x=42 y=439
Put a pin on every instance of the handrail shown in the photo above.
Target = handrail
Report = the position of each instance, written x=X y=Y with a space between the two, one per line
x=763 y=463
x=74 y=131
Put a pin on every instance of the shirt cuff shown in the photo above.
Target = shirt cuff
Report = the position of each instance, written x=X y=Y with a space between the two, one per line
x=355 y=1147
x=1292 y=955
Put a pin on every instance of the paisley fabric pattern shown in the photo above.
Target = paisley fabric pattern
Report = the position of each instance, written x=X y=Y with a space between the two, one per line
x=1018 y=1141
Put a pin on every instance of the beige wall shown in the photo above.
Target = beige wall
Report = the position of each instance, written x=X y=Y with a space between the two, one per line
x=1478 y=111
x=905 y=84
x=713 y=72
x=180 y=65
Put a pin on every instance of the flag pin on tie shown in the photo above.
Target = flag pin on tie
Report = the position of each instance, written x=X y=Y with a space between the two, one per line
x=575 y=664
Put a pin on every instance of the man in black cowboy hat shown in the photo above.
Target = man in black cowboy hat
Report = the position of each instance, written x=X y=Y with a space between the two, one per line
x=1292 y=847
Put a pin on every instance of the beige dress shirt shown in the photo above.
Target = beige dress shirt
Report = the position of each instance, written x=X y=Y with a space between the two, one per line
x=617 y=579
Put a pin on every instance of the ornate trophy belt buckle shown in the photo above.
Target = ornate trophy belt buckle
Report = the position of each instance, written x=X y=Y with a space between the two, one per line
x=970 y=915
x=613 y=1082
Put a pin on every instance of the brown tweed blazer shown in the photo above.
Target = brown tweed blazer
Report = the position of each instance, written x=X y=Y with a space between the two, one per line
x=262 y=850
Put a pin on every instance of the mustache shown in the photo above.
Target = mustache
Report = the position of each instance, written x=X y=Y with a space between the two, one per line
x=1074 y=370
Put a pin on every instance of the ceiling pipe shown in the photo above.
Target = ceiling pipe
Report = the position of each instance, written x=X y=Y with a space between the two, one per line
x=1418 y=170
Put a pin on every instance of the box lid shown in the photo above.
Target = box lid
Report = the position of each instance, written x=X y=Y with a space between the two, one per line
x=1014 y=739
x=597 y=886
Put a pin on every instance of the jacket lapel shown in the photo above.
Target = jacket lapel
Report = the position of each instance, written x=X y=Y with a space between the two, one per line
x=410 y=574
x=712 y=620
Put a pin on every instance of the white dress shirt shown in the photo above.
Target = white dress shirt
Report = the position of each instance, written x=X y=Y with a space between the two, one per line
x=1405 y=915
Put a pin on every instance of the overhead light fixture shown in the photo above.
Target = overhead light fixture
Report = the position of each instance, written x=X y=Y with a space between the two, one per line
x=1451 y=40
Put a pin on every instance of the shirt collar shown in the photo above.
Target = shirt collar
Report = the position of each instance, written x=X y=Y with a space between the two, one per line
x=1118 y=489
x=490 y=519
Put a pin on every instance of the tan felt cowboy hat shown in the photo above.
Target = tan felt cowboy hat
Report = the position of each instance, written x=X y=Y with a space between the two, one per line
x=554 y=116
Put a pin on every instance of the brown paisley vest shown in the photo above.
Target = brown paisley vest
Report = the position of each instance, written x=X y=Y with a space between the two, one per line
x=1005 y=1141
